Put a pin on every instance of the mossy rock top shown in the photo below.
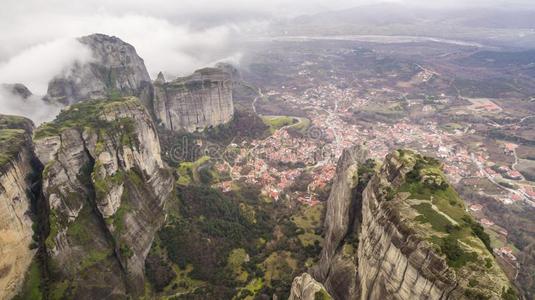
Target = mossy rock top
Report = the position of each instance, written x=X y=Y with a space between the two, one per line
x=432 y=209
x=14 y=134
x=86 y=114
x=15 y=122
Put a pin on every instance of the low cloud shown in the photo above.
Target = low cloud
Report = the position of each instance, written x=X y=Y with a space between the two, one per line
x=32 y=107
x=36 y=65
x=175 y=49
x=37 y=38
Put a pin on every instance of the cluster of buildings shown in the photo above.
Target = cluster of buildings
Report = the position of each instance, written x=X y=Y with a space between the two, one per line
x=507 y=254
x=276 y=162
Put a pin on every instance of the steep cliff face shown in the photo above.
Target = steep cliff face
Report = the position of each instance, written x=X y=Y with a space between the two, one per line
x=417 y=238
x=115 y=70
x=192 y=103
x=305 y=287
x=107 y=186
x=16 y=251
x=414 y=237
x=337 y=265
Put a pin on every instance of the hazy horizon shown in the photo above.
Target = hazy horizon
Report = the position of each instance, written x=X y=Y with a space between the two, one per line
x=175 y=38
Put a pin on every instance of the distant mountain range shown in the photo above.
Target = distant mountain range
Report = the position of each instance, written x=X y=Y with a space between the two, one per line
x=512 y=26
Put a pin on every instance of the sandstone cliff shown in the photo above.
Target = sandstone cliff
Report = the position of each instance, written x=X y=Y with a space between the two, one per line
x=337 y=265
x=406 y=235
x=115 y=70
x=16 y=242
x=107 y=187
x=193 y=103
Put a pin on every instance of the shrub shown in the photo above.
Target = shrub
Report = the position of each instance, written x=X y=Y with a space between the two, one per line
x=479 y=231
x=455 y=255
x=322 y=295
x=509 y=294
x=158 y=271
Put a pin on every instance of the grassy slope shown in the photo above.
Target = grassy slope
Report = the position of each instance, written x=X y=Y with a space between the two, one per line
x=11 y=141
x=436 y=212
x=13 y=133
x=86 y=114
x=277 y=122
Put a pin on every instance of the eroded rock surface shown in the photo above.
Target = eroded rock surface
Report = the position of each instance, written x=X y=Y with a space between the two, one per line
x=107 y=187
x=336 y=268
x=194 y=103
x=16 y=169
x=404 y=235
x=114 y=71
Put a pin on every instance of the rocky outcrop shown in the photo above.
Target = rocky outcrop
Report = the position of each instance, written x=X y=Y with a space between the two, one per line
x=337 y=268
x=414 y=239
x=16 y=234
x=114 y=71
x=17 y=89
x=107 y=187
x=305 y=287
x=193 y=103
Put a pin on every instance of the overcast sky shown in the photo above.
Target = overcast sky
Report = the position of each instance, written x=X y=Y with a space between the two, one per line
x=172 y=36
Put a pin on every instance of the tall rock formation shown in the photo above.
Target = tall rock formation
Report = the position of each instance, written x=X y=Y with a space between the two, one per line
x=16 y=169
x=337 y=265
x=191 y=103
x=107 y=187
x=115 y=70
x=403 y=233
x=196 y=102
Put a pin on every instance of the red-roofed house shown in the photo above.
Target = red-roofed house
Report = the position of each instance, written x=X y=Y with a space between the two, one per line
x=476 y=207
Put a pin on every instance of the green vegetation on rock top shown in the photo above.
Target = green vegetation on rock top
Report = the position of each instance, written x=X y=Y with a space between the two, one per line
x=87 y=114
x=13 y=134
x=11 y=141
x=14 y=122
x=322 y=295
x=437 y=214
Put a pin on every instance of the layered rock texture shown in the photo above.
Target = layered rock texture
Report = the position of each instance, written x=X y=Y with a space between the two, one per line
x=114 y=71
x=16 y=169
x=337 y=266
x=401 y=232
x=194 y=103
x=107 y=187
x=305 y=287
